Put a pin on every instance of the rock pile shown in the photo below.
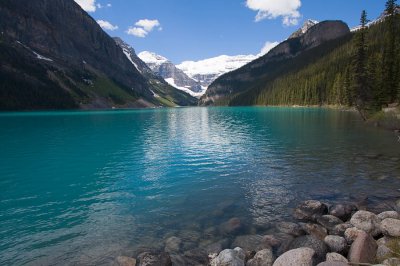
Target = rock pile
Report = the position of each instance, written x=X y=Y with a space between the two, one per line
x=335 y=236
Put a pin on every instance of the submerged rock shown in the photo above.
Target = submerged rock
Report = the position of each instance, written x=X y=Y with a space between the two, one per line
x=173 y=244
x=231 y=227
x=153 y=259
x=248 y=243
x=126 y=261
x=310 y=210
x=317 y=230
x=290 y=228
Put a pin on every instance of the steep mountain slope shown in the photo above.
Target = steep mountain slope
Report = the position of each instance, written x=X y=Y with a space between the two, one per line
x=160 y=88
x=174 y=76
x=254 y=72
x=306 y=26
x=208 y=70
x=55 y=44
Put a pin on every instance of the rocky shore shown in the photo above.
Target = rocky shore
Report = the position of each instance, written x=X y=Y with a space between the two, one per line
x=336 y=235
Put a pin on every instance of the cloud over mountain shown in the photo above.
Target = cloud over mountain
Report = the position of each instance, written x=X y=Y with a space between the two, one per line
x=272 y=9
x=107 y=25
x=147 y=26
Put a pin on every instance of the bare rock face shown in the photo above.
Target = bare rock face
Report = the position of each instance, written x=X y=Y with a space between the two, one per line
x=64 y=32
x=316 y=244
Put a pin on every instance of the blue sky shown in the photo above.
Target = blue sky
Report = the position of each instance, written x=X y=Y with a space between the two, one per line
x=182 y=30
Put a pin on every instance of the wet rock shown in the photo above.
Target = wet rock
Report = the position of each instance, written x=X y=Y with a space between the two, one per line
x=363 y=250
x=337 y=244
x=247 y=243
x=390 y=227
x=312 y=242
x=336 y=257
x=213 y=248
x=210 y=232
x=299 y=256
x=340 y=229
x=189 y=245
x=340 y=211
x=263 y=257
x=173 y=244
x=383 y=252
x=231 y=257
x=310 y=210
x=332 y=263
x=317 y=230
x=262 y=225
x=153 y=259
x=272 y=241
x=126 y=261
x=231 y=227
x=290 y=228
x=397 y=206
x=177 y=260
x=189 y=235
x=388 y=214
x=366 y=221
x=351 y=234
x=329 y=221
x=383 y=207
x=391 y=261
x=194 y=257
x=224 y=242
x=137 y=251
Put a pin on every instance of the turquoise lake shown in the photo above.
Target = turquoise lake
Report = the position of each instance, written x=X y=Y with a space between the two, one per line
x=82 y=188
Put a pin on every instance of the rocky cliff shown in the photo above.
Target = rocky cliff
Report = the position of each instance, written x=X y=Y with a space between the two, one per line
x=57 y=44
x=249 y=74
x=174 y=76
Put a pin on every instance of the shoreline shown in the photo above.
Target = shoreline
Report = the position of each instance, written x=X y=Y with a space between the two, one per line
x=322 y=234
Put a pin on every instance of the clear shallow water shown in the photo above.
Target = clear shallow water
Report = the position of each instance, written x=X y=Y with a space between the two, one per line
x=81 y=188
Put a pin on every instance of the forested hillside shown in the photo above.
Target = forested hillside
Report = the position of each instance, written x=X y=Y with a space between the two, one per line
x=360 y=69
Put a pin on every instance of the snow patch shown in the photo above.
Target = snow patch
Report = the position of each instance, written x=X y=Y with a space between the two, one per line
x=215 y=66
x=38 y=56
x=152 y=58
x=128 y=54
x=171 y=82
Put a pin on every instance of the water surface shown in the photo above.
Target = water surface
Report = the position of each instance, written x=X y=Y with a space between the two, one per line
x=81 y=188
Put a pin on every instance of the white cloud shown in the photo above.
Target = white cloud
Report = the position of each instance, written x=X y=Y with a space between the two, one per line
x=148 y=25
x=87 y=5
x=272 y=9
x=108 y=5
x=267 y=47
x=99 y=6
x=138 y=32
x=107 y=25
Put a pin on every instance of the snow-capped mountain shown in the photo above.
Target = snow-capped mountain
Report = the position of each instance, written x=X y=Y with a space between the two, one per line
x=174 y=76
x=207 y=70
x=306 y=26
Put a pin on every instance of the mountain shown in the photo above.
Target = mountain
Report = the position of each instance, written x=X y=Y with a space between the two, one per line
x=207 y=70
x=306 y=26
x=174 y=76
x=55 y=56
x=256 y=71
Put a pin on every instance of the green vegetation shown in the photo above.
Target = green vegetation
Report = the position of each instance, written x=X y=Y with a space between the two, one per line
x=25 y=85
x=390 y=119
x=171 y=96
x=394 y=247
x=361 y=69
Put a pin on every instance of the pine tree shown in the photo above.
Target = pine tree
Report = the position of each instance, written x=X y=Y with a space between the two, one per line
x=359 y=63
x=391 y=52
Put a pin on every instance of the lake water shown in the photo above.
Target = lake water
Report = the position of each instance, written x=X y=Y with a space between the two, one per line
x=81 y=188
